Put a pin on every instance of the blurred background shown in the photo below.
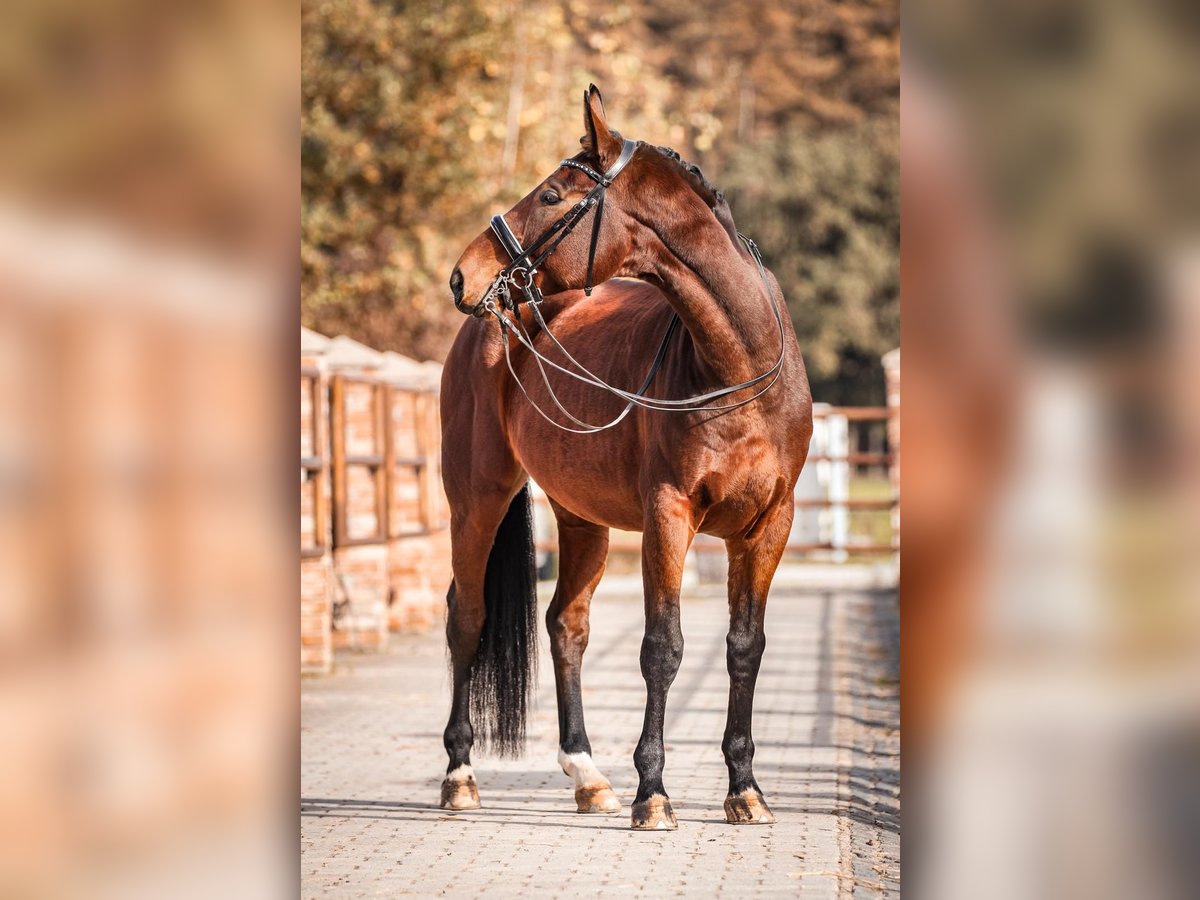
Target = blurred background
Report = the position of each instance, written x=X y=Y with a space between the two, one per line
x=421 y=120
x=148 y=173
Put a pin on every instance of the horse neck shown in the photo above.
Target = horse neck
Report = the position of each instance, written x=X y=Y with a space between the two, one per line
x=721 y=299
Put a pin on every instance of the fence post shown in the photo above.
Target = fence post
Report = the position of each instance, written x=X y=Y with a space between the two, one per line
x=891 y=370
x=838 y=436
x=810 y=522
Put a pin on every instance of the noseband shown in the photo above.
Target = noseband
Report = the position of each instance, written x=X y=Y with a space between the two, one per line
x=524 y=262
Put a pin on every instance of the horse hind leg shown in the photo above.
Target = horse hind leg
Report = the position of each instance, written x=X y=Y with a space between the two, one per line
x=491 y=634
x=464 y=623
x=752 y=565
x=583 y=550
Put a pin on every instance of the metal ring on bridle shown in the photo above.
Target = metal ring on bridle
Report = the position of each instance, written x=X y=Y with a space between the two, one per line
x=525 y=281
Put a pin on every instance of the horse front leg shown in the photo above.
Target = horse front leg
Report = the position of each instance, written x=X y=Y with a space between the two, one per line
x=665 y=541
x=583 y=551
x=752 y=564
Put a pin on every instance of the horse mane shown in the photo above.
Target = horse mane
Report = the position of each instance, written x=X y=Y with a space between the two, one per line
x=712 y=195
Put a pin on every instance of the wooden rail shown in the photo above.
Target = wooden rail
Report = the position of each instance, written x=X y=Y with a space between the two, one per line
x=418 y=464
x=633 y=544
x=857 y=413
x=384 y=463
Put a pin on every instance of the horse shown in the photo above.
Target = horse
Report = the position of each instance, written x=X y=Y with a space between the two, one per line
x=663 y=282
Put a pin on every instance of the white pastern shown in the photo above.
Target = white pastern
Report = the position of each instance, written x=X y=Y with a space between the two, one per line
x=462 y=773
x=581 y=769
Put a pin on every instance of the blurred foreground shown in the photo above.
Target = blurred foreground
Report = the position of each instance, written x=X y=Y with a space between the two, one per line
x=1051 y=481
x=147 y=611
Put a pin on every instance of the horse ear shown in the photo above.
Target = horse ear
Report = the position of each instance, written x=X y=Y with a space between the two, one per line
x=597 y=137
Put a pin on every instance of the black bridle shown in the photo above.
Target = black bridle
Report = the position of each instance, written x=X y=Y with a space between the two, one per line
x=519 y=274
x=525 y=261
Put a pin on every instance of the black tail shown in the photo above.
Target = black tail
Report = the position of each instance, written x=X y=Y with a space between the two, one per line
x=504 y=671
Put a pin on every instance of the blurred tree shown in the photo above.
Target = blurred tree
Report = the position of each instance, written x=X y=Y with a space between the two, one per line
x=744 y=72
x=825 y=211
x=422 y=118
x=390 y=93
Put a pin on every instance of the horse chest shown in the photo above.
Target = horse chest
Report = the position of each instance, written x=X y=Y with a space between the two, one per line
x=731 y=477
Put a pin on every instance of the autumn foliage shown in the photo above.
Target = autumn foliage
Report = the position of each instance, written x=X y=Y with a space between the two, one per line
x=420 y=119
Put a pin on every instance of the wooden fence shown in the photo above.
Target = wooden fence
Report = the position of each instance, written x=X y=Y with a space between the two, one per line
x=834 y=462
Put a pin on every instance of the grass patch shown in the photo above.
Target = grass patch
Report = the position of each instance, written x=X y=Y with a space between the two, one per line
x=870 y=526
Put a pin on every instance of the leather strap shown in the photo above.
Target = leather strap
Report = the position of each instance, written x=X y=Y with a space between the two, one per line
x=639 y=398
x=627 y=151
x=587 y=287
x=507 y=239
x=521 y=259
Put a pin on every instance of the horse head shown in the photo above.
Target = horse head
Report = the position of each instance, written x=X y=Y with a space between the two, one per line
x=623 y=196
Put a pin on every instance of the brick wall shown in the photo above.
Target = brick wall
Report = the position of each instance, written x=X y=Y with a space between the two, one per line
x=358 y=448
x=419 y=549
x=316 y=595
x=419 y=575
x=387 y=563
x=360 y=619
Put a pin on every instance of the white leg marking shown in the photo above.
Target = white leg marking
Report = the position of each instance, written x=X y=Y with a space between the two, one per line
x=581 y=769
x=462 y=773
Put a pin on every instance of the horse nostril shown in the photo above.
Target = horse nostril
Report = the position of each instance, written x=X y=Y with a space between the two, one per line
x=456 y=285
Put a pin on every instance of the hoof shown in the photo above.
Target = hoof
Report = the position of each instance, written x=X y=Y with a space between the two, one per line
x=748 y=808
x=654 y=814
x=460 y=794
x=596 y=800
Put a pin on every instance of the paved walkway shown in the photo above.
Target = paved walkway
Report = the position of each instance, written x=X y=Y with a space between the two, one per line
x=825 y=725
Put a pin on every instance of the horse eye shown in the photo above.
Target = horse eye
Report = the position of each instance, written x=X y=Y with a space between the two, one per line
x=550 y=198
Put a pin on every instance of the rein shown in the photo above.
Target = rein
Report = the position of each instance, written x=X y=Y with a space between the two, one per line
x=519 y=274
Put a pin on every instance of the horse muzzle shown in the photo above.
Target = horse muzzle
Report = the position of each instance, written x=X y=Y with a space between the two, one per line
x=457 y=284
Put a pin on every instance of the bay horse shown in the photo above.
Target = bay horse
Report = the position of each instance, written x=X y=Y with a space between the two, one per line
x=718 y=434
